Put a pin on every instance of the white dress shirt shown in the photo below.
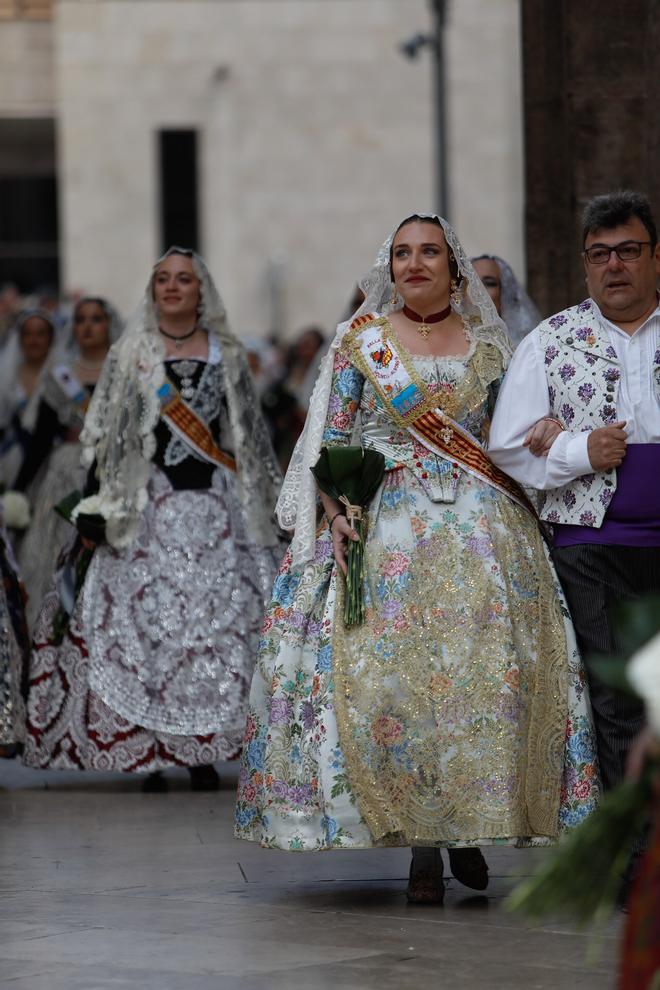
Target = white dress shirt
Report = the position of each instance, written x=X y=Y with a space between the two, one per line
x=523 y=400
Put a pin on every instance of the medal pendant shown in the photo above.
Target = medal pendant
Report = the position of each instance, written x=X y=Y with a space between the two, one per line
x=423 y=330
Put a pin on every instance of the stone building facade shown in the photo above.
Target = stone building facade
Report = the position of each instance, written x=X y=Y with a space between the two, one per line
x=312 y=136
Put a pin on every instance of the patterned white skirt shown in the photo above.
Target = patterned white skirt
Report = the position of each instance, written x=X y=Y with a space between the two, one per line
x=155 y=667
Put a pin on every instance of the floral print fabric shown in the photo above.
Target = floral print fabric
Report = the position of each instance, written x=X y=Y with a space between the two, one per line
x=312 y=762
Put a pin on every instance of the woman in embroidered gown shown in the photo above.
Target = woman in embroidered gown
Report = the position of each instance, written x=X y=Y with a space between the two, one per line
x=67 y=390
x=154 y=668
x=25 y=363
x=455 y=716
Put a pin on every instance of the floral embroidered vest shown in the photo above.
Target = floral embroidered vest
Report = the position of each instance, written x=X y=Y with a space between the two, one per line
x=583 y=373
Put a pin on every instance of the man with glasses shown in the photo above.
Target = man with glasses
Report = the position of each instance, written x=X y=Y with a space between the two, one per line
x=595 y=369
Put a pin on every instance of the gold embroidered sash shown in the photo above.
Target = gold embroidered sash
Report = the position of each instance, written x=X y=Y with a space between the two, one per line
x=187 y=425
x=372 y=347
x=439 y=433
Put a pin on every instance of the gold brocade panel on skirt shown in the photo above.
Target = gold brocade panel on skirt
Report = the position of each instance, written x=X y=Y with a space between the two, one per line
x=452 y=716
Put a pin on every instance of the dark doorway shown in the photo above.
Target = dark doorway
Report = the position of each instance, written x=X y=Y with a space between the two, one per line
x=179 y=209
x=29 y=253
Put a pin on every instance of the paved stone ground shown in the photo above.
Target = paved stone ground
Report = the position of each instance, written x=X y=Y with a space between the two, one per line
x=106 y=888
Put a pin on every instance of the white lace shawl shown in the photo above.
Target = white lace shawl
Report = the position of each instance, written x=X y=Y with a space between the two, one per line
x=69 y=350
x=296 y=507
x=518 y=311
x=125 y=408
x=11 y=359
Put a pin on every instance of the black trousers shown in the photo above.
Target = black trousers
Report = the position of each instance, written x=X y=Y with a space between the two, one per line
x=596 y=578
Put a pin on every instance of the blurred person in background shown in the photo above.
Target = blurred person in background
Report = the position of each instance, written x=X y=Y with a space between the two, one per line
x=24 y=365
x=305 y=356
x=151 y=668
x=10 y=307
x=286 y=401
x=265 y=361
x=50 y=300
x=53 y=453
x=511 y=301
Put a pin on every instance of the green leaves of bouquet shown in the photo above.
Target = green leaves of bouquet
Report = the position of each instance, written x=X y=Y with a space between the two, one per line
x=352 y=476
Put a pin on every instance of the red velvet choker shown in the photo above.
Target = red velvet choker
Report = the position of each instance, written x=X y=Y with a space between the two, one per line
x=424 y=323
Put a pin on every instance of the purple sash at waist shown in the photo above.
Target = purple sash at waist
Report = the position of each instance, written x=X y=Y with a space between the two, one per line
x=633 y=516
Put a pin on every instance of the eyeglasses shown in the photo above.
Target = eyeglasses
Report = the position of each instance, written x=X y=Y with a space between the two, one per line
x=599 y=254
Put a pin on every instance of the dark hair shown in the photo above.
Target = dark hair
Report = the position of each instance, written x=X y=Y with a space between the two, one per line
x=98 y=301
x=39 y=314
x=315 y=331
x=416 y=218
x=615 y=209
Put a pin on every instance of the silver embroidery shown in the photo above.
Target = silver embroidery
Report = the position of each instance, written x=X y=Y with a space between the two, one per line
x=205 y=401
x=172 y=622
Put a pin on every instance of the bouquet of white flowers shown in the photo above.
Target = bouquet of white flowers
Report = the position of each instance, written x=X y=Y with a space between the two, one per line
x=15 y=510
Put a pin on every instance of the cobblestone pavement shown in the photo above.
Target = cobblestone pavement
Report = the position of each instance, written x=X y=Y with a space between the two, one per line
x=105 y=887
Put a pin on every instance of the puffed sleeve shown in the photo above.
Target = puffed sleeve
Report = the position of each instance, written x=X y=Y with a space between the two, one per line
x=345 y=395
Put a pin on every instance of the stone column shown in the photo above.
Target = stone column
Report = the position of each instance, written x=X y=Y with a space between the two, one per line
x=591 y=84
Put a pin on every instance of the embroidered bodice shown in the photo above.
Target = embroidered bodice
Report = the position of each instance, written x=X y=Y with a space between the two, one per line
x=464 y=387
x=201 y=386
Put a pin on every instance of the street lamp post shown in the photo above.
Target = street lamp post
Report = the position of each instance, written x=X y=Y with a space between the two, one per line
x=439 y=8
x=411 y=48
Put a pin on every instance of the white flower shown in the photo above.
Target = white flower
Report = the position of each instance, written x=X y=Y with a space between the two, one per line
x=97 y=505
x=644 y=674
x=16 y=510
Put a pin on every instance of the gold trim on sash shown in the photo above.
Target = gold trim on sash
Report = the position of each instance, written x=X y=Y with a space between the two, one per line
x=446 y=438
x=187 y=424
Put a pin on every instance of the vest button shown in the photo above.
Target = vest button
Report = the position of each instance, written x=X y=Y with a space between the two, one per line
x=608 y=482
x=569 y=340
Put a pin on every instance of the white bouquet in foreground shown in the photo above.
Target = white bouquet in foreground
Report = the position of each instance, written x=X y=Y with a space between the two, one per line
x=96 y=505
x=16 y=510
x=644 y=674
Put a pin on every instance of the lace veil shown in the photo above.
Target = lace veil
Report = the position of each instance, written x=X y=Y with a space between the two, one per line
x=69 y=348
x=11 y=359
x=120 y=422
x=296 y=507
x=518 y=311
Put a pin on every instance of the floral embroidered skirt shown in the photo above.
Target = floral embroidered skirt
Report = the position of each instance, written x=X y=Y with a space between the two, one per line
x=456 y=715
x=154 y=669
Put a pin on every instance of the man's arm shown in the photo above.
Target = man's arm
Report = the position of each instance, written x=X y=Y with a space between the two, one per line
x=522 y=402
